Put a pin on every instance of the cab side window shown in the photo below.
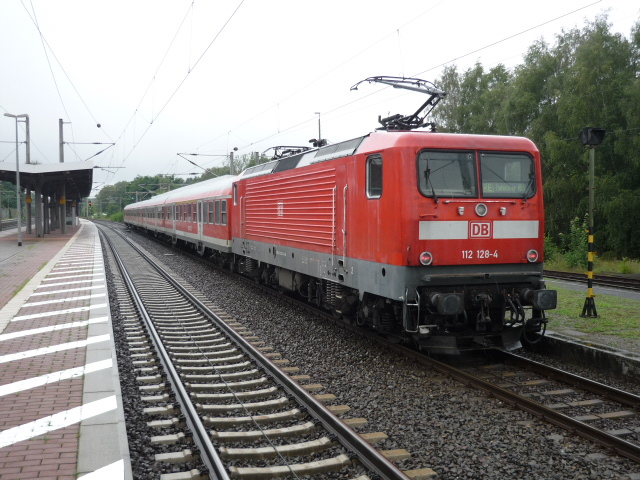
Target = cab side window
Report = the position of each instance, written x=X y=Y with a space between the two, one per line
x=374 y=176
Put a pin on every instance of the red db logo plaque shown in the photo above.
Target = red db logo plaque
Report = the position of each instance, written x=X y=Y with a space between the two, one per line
x=479 y=229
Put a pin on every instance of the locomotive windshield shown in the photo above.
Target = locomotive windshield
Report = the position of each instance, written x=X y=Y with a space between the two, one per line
x=451 y=174
x=507 y=175
x=447 y=174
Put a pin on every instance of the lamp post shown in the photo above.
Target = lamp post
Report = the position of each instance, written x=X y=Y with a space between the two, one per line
x=591 y=137
x=19 y=207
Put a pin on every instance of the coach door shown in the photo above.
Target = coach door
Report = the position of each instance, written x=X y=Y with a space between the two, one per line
x=200 y=226
x=200 y=220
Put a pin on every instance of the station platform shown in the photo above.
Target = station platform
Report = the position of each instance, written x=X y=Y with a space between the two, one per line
x=61 y=413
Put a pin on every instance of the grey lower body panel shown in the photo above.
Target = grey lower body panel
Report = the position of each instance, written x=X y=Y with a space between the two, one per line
x=389 y=281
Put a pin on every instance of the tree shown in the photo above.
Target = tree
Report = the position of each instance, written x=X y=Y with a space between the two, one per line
x=588 y=77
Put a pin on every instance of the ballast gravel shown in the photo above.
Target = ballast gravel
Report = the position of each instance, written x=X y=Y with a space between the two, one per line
x=457 y=431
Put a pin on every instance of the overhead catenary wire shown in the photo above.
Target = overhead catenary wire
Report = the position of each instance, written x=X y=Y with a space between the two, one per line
x=47 y=48
x=361 y=98
x=293 y=125
x=179 y=86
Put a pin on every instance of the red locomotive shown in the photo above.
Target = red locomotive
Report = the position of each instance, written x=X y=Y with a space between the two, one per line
x=433 y=238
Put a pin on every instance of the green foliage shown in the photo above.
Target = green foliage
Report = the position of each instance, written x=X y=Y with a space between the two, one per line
x=587 y=77
x=551 y=250
x=8 y=195
x=117 y=217
x=625 y=267
x=575 y=244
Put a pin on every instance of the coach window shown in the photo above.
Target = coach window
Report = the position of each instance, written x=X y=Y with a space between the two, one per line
x=223 y=212
x=211 y=212
x=194 y=217
x=374 y=176
x=235 y=194
x=217 y=212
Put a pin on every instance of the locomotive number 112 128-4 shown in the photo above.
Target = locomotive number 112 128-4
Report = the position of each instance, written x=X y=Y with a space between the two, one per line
x=472 y=254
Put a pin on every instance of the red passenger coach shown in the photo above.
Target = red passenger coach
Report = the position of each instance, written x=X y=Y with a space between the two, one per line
x=197 y=215
x=434 y=239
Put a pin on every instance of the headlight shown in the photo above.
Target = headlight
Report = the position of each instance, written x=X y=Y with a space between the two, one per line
x=426 y=258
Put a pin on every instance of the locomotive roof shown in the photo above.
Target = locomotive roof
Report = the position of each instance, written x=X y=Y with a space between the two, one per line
x=379 y=141
x=424 y=139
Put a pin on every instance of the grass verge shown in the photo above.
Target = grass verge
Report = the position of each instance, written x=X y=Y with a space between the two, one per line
x=616 y=316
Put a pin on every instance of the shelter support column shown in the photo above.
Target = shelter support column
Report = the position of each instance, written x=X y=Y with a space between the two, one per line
x=28 y=201
x=63 y=211
x=73 y=213
x=38 y=195
x=47 y=217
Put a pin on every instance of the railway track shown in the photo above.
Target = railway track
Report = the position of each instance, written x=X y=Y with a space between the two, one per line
x=594 y=411
x=627 y=283
x=223 y=404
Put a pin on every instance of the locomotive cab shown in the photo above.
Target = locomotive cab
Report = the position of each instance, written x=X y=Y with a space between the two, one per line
x=472 y=228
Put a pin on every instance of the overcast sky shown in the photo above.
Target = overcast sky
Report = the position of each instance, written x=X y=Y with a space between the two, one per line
x=164 y=77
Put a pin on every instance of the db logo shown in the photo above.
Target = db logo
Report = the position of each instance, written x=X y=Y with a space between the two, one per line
x=480 y=230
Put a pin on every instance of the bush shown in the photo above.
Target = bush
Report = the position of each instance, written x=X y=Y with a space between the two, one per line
x=551 y=250
x=117 y=217
x=575 y=244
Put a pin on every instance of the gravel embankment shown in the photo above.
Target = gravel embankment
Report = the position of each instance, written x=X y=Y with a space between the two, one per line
x=455 y=430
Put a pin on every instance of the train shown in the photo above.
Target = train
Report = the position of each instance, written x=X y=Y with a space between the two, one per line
x=433 y=239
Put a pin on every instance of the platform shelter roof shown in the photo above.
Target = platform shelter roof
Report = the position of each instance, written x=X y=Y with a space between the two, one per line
x=77 y=177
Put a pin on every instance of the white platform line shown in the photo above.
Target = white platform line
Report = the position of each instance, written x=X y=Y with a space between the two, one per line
x=53 y=328
x=79 y=289
x=71 y=276
x=68 y=265
x=56 y=421
x=74 y=282
x=52 y=274
x=57 y=312
x=78 y=261
x=76 y=372
x=87 y=266
x=63 y=300
x=12 y=357
x=77 y=258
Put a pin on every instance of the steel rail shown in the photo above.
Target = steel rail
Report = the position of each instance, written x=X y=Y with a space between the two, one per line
x=620 y=446
x=366 y=454
x=206 y=450
x=592 y=386
x=610 y=281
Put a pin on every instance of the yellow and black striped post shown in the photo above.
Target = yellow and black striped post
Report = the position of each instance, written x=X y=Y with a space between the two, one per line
x=591 y=136
x=589 y=309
